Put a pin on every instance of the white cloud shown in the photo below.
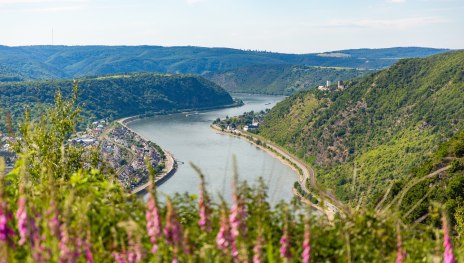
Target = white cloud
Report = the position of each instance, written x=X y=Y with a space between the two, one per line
x=53 y=9
x=38 y=1
x=401 y=23
x=396 y=1
x=42 y=6
x=191 y=2
x=22 y=1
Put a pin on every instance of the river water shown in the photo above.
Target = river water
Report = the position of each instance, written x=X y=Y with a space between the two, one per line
x=190 y=139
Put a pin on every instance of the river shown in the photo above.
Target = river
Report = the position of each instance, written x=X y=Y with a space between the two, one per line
x=190 y=139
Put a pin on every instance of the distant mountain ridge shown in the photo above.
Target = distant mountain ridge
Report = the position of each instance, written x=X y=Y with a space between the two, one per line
x=55 y=62
x=379 y=128
x=281 y=79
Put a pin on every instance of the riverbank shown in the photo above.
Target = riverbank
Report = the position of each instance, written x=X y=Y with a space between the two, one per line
x=128 y=120
x=170 y=164
x=304 y=171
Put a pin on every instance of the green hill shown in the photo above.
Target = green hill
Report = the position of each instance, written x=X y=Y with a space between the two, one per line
x=116 y=96
x=8 y=75
x=379 y=128
x=416 y=193
x=280 y=79
x=56 y=62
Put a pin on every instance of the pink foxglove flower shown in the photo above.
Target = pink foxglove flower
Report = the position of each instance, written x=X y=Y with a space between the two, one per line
x=82 y=247
x=54 y=222
x=28 y=230
x=223 y=236
x=138 y=252
x=135 y=250
x=258 y=249
x=448 y=256
x=172 y=229
x=119 y=257
x=187 y=244
x=21 y=217
x=131 y=256
x=88 y=248
x=66 y=252
x=39 y=252
x=237 y=220
x=6 y=232
x=234 y=233
x=306 y=254
x=204 y=208
x=88 y=253
x=285 y=245
x=153 y=220
x=400 y=254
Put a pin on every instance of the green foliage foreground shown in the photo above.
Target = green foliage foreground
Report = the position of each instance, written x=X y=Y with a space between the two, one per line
x=61 y=204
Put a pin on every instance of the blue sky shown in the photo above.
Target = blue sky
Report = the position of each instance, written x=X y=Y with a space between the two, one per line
x=291 y=26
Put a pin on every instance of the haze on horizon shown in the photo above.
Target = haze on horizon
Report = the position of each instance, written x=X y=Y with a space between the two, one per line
x=291 y=26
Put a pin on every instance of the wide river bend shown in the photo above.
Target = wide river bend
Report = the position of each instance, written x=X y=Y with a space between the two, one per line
x=190 y=139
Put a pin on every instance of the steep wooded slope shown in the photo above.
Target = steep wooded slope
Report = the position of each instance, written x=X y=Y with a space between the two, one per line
x=378 y=128
x=280 y=79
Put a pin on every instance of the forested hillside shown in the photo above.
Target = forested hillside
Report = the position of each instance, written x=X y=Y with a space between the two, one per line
x=7 y=74
x=54 y=62
x=379 y=128
x=280 y=79
x=116 y=96
x=416 y=193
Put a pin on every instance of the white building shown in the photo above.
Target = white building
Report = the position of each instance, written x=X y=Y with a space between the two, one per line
x=254 y=122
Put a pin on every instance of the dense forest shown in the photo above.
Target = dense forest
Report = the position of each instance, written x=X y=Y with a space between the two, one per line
x=116 y=96
x=416 y=193
x=7 y=74
x=280 y=79
x=56 y=62
x=379 y=129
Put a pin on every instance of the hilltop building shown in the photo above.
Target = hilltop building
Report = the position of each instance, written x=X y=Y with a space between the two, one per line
x=322 y=88
x=326 y=87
